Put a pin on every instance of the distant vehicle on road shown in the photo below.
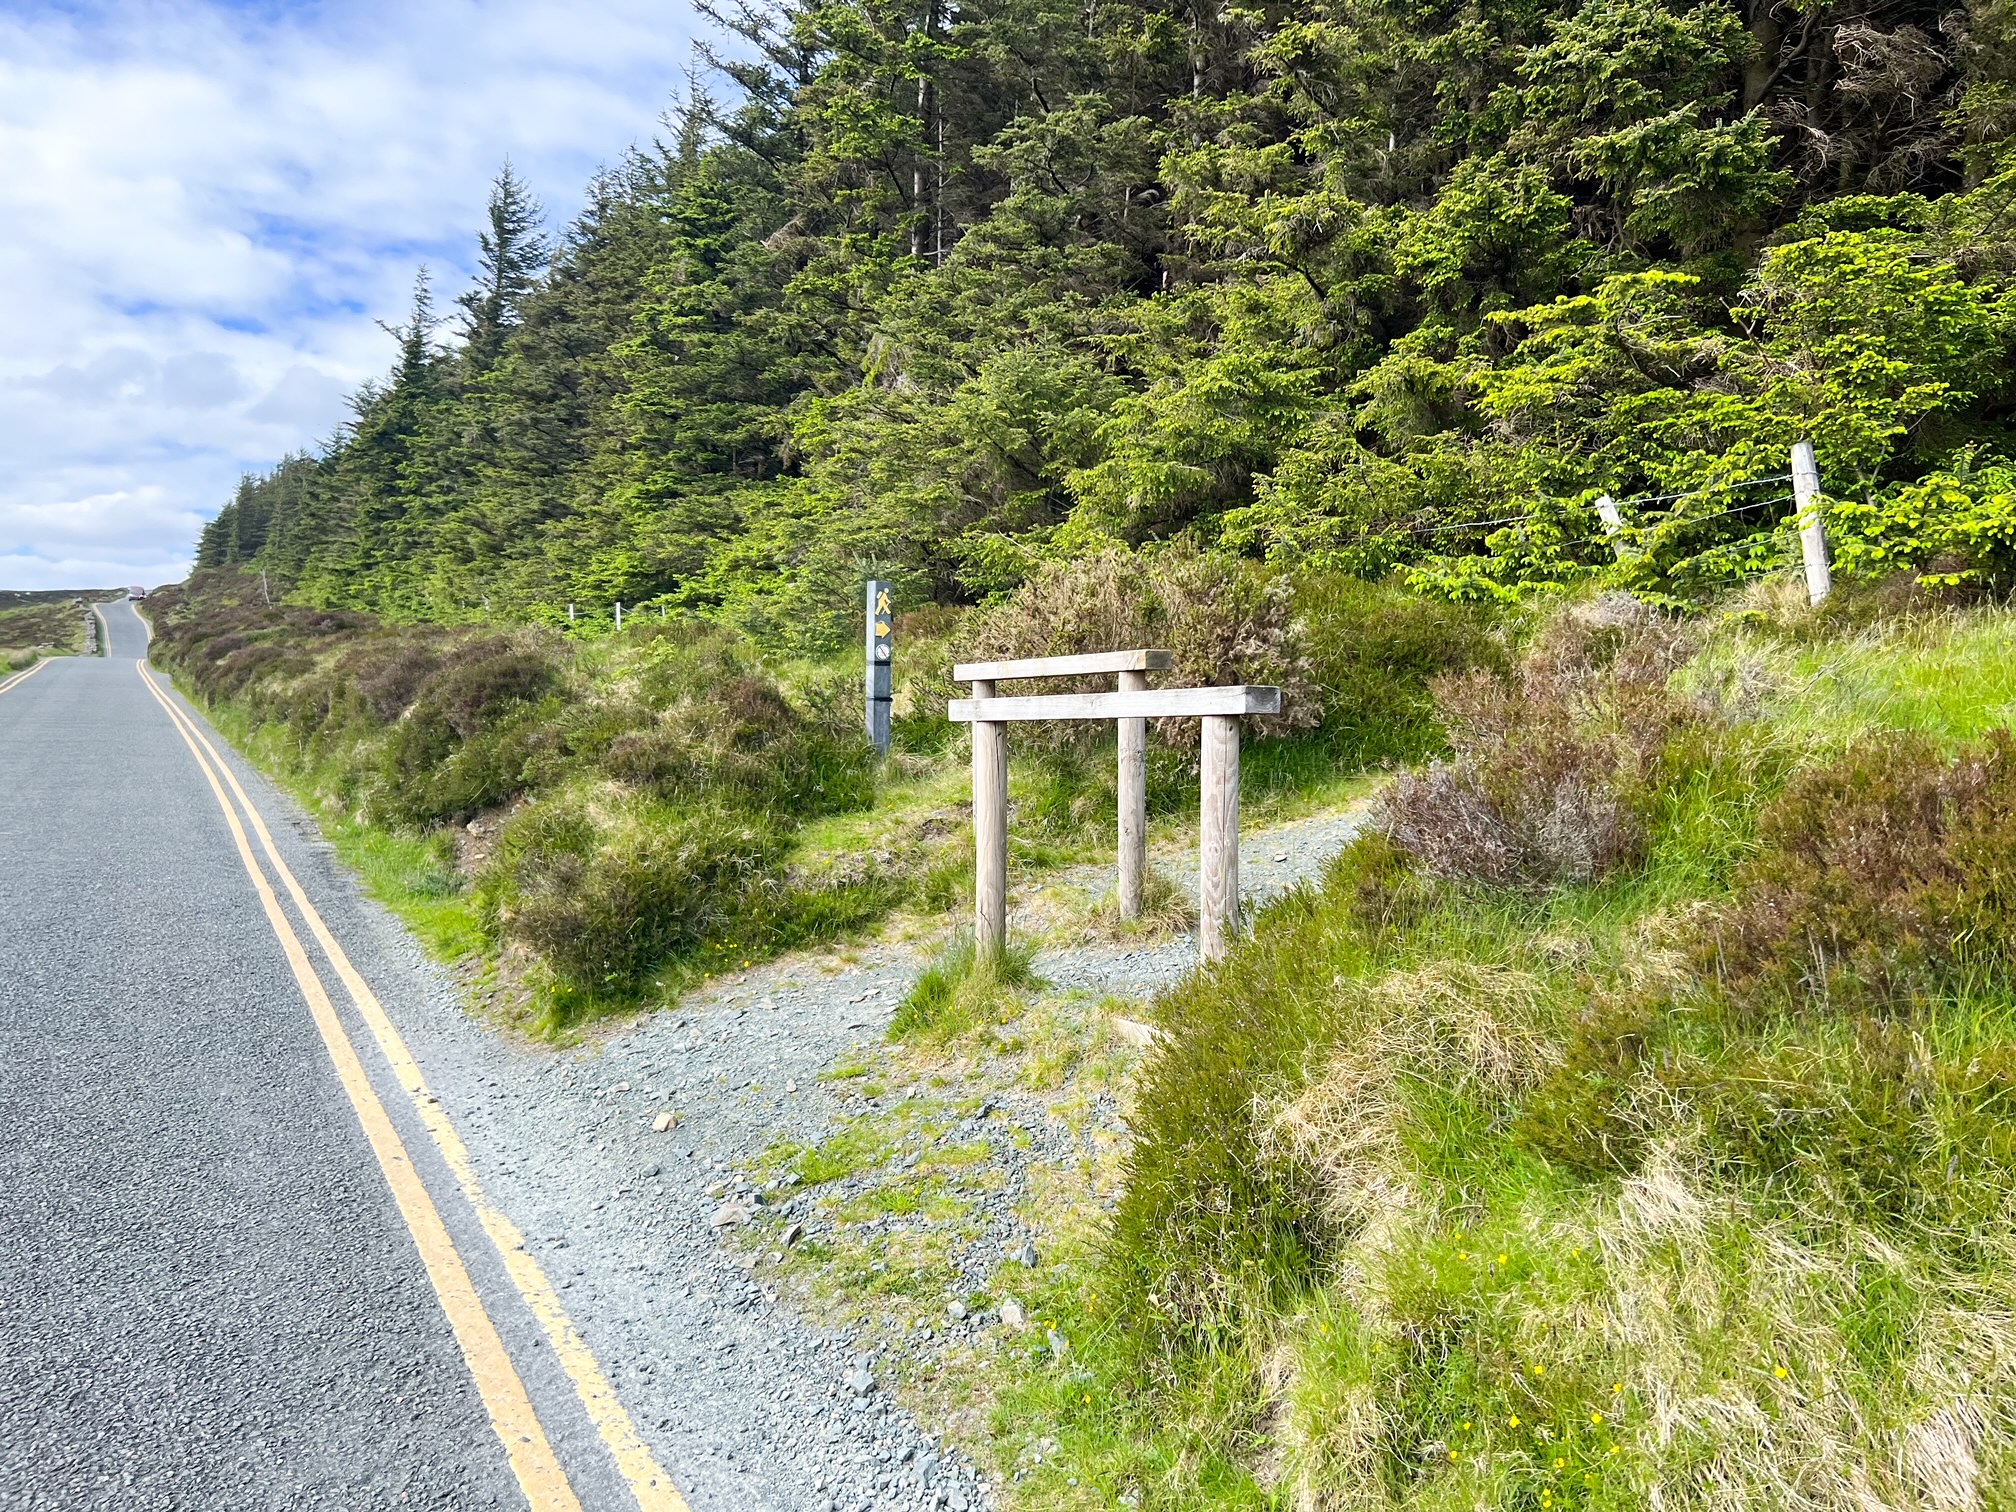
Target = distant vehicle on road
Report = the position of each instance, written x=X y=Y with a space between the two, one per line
x=136 y=594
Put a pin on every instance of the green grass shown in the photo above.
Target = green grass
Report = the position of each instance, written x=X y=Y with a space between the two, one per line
x=417 y=881
x=959 y=991
x=1950 y=674
x=34 y=625
x=1351 y=1269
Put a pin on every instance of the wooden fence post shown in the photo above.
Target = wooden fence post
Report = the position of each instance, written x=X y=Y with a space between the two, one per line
x=570 y=614
x=1812 y=529
x=619 y=614
x=1613 y=525
x=990 y=832
x=1133 y=801
x=881 y=670
x=1218 y=838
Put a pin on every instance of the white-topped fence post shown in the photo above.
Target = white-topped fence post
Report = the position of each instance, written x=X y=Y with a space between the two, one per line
x=1812 y=528
x=1613 y=525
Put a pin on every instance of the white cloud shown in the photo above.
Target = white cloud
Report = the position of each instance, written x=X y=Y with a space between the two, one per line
x=205 y=210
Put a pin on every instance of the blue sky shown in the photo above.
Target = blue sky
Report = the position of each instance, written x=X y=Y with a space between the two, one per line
x=205 y=209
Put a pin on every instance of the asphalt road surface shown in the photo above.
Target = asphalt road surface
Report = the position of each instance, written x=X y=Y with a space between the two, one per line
x=239 y=1265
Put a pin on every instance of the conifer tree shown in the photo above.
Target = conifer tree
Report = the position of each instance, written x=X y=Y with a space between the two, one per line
x=513 y=255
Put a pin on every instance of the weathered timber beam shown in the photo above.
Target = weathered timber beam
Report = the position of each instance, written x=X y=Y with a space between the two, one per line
x=1156 y=703
x=1091 y=663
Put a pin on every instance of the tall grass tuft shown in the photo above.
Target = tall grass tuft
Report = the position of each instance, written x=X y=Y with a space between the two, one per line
x=960 y=991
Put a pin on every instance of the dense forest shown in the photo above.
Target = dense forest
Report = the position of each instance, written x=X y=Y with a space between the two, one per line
x=938 y=292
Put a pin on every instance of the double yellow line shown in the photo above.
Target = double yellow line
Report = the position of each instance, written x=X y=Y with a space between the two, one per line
x=8 y=685
x=504 y=1396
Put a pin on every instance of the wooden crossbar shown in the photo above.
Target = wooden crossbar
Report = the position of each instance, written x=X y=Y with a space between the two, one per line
x=1088 y=665
x=1153 y=703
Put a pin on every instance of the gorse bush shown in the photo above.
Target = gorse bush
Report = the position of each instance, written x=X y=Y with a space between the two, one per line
x=1553 y=763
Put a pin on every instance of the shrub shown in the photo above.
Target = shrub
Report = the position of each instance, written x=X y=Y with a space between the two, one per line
x=1225 y=621
x=475 y=684
x=1878 y=878
x=1550 y=781
x=1376 y=649
x=388 y=675
x=604 y=897
x=746 y=741
x=1827 y=1054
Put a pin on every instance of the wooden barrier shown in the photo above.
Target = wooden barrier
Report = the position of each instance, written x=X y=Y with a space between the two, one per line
x=1130 y=669
x=1218 y=813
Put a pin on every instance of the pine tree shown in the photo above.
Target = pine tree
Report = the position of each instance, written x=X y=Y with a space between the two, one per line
x=513 y=255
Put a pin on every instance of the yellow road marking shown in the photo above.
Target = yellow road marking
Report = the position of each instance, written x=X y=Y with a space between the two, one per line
x=648 y=1482
x=511 y=1413
x=20 y=677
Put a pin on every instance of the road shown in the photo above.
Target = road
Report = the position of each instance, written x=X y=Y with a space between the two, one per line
x=245 y=1260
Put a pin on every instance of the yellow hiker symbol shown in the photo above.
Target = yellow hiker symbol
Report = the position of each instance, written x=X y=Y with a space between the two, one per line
x=882 y=607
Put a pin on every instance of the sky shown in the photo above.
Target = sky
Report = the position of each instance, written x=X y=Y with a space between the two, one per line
x=206 y=209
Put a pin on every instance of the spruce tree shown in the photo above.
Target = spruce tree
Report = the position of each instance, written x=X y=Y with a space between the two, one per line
x=513 y=255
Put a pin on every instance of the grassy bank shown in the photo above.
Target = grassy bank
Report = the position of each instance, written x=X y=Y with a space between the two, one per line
x=610 y=817
x=34 y=625
x=1627 y=1123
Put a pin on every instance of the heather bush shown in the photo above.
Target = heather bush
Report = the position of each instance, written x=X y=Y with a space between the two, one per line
x=387 y=675
x=1550 y=779
x=648 y=788
x=603 y=893
x=1224 y=621
x=1878 y=878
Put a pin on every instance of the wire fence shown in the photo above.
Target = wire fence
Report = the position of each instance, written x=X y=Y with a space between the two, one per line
x=1628 y=532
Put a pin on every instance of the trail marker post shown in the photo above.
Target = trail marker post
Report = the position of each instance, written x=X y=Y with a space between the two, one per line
x=880 y=650
x=1218 y=829
x=1812 y=528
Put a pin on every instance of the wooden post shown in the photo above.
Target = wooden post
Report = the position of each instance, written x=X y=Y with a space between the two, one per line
x=1218 y=838
x=881 y=670
x=1133 y=801
x=570 y=614
x=619 y=614
x=1613 y=525
x=990 y=833
x=1812 y=529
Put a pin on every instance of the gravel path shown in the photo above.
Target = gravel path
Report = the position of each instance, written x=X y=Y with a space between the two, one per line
x=1271 y=863
x=750 y=1406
